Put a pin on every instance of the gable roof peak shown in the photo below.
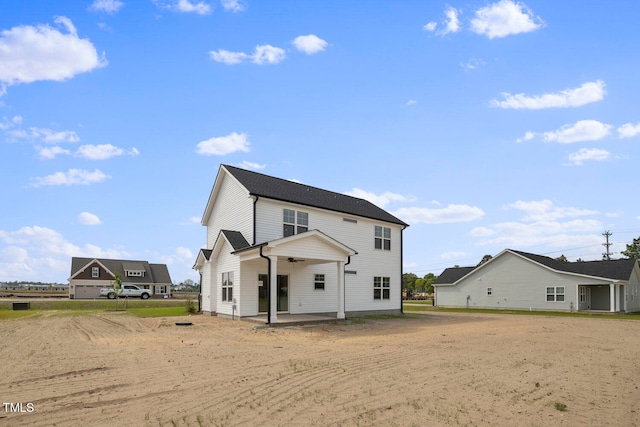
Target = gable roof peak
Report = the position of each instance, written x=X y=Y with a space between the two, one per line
x=261 y=185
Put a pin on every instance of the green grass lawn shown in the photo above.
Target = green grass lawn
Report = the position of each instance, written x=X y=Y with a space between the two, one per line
x=140 y=308
x=424 y=307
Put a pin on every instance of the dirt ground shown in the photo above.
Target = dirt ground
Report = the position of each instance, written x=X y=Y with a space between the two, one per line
x=434 y=369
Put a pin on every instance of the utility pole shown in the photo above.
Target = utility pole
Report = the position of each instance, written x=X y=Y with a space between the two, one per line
x=607 y=255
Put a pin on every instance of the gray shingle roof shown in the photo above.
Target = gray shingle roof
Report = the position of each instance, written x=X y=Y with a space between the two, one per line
x=235 y=239
x=288 y=191
x=154 y=273
x=616 y=269
x=452 y=275
x=619 y=269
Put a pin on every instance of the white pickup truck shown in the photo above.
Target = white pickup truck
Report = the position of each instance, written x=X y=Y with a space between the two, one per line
x=126 y=291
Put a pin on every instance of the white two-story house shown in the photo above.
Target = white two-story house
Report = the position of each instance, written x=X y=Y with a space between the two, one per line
x=276 y=246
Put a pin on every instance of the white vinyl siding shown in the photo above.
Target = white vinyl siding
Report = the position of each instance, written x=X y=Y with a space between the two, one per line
x=515 y=283
x=233 y=210
x=369 y=262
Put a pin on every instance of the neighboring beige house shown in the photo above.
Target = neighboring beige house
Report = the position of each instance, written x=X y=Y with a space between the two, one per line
x=521 y=280
x=275 y=246
x=88 y=275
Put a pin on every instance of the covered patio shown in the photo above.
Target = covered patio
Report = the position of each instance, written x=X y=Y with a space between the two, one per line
x=306 y=250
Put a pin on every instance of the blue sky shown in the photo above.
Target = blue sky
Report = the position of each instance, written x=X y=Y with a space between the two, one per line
x=485 y=125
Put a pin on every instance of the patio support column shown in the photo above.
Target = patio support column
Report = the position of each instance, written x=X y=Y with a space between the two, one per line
x=612 y=297
x=341 y=314
x=273 y=290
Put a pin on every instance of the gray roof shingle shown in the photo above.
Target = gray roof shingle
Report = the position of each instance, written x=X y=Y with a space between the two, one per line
x=235 y=239
x=618 y=269
x=288 y=191
x=154 y=273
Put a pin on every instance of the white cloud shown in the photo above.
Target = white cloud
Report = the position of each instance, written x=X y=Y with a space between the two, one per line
x=583 y=130
x=472 y=64
x=263 y=54
x=71 y=177
x=45 y=135
x=450 y=214
x=628 y=130
x=222 y=145
x=51 y=152
x=7 y=123
x=452 y=23
x=587 y=93
x=504 y=18
x=251 y=165
x=411 y=102
x=40 y=253
x=430 y=26
x=103 y=151
x=309 y=44
x=180 y=255
x=516 y=235
x=381 y=200
x=88 y=218
x=585 y=154
x=108 y=6
x=545 y=210
x=233 y=5
x=528 y=136
x=267 y=54
x=186 y=6
x=227 y=57
x=34 y=53
x=543 y=225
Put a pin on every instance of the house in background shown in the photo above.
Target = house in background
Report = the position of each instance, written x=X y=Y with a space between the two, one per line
x=88 y=275
x=275 y=246
x=520 y=280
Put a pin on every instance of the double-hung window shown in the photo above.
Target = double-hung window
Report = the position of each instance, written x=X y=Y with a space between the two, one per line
x=555 y=294
x=382 y=238
x=95 y=271
x=318 y=281
x=381 y=288
x=294 y=222
x=227 y=287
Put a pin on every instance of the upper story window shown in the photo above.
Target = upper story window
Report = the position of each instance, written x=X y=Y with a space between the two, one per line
x=135 y=273
x=294 y=222
x=95 y=271
x=382 y=238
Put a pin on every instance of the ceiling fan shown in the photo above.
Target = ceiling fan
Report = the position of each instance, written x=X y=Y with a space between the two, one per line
x=291 y=259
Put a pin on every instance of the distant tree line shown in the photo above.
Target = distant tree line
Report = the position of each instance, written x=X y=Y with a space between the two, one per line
x=411 y=282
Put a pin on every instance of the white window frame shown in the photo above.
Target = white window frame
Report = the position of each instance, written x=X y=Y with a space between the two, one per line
x=489 y=291
x=382 y=238
x=298 y=221
x=95 y=272
x=318 y=282
x=554 y=294
x=227 y=287
x=381 y=288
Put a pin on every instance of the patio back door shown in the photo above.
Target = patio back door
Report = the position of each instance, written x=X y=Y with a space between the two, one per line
x=263 y=293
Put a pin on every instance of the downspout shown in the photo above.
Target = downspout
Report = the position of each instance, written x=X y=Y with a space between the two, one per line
x=268 y=285
x=200 y=295
x=344 y=286
x=255 y=202
x=401 y=268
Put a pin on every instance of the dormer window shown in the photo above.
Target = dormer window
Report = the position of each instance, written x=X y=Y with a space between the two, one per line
x=95 y=271
x=295 y=222
x=134 y=273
